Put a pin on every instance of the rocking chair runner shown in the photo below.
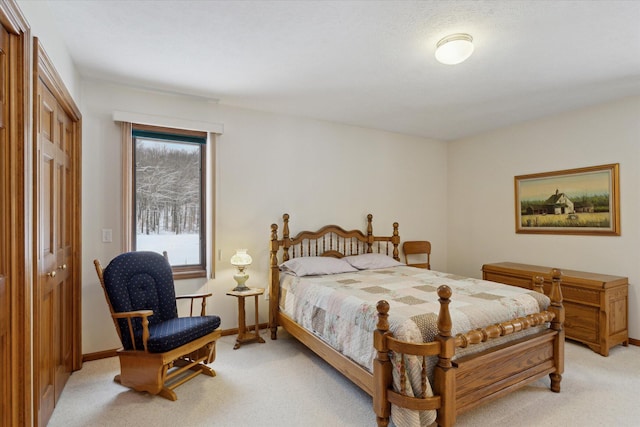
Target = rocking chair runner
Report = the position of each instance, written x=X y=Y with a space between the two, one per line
x=158 y=347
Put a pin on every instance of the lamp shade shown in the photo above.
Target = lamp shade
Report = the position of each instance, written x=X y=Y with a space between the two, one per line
x=241 y=258
x=454 y=49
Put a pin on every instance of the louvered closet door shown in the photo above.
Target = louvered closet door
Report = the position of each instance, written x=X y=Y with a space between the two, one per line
x=54 y=296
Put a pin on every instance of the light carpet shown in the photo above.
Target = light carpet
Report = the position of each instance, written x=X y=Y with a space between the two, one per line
x=282 y=383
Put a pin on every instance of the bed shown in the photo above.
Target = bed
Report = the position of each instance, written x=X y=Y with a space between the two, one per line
x=424 y=351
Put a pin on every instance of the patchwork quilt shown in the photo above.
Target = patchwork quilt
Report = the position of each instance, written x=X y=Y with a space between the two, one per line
x=341 y=310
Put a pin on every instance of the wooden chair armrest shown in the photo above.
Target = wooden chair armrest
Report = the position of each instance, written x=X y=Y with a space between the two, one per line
x=144 y=314
x=193 y=297
x=130 y=314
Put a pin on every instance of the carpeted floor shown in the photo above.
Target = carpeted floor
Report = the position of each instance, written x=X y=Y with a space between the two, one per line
x=282 y=383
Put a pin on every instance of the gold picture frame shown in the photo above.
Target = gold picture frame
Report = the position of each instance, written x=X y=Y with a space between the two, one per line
x=573 y=201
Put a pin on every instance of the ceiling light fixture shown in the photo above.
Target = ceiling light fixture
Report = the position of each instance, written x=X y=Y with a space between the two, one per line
x=454 y=49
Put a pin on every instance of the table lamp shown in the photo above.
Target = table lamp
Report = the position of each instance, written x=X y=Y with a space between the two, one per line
x=241 y=259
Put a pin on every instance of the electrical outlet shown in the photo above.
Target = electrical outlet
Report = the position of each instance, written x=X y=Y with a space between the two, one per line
x=107 y=235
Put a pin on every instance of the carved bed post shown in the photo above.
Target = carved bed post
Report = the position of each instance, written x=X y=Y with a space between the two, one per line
x=274 y=285
x=382 y=376
x=396 y=241
x=538 y=284
x=285 y=237
x=557 y=325
x=445 y=376
x=369 y=233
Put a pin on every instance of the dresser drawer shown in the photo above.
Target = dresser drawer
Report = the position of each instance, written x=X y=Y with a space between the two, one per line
x=581 y=322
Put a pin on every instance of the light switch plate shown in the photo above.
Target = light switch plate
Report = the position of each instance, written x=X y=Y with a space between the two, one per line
x=107 y=235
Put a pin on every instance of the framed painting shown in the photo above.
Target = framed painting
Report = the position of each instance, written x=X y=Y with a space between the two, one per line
x=573 y=201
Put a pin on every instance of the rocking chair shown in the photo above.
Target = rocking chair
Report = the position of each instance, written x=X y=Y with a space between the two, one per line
x=160 y=350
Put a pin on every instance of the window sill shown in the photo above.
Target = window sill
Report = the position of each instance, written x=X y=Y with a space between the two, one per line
x=181 y=273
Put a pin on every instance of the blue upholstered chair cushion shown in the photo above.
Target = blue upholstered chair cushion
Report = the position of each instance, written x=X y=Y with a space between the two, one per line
x=144 y=281
x=173 y=333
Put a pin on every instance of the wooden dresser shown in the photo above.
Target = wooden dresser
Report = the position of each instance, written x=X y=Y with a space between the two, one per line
x=596 y=305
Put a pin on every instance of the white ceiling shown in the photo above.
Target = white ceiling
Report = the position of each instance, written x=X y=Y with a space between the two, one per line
x=366 y=63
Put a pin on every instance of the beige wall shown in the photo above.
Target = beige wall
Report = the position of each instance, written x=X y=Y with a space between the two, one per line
x=481 y=172
x=40 y=19
x=267 y=164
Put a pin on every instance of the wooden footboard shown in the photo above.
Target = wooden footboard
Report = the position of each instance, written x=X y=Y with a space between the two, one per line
x=464 y=383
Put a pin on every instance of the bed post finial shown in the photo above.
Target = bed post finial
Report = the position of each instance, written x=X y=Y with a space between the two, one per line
x=538 y=284
x=285 y=237
x=557 y=325
x=555 y=295
x=382 y=366
x=369 y=233
x=395 y=240
x=383 y=315
x=444 y=317
x=285 y=227
x=274 y=246
x=444 y=372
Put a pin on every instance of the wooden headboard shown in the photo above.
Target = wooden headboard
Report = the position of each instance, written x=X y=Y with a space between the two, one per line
x=330 y=240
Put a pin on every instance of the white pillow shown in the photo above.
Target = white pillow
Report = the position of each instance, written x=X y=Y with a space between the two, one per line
x=371 y=261
x=316 y=265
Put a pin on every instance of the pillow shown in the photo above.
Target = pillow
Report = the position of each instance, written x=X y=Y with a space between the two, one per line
x=316 y=265
x=371 y=261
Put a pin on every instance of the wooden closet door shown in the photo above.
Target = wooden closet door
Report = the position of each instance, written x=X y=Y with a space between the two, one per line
x=5 y=336
x=57 y=237
x=64 y=254
x=15 y=207
x=5 y=386
x=54 y=294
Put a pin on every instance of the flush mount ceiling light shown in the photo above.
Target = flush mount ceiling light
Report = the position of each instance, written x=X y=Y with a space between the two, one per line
x=454 y=49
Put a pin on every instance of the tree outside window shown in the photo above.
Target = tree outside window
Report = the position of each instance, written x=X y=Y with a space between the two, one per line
x=169 y=203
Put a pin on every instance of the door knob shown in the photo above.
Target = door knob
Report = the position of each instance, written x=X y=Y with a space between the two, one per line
x=62 y=267
x=51 y=274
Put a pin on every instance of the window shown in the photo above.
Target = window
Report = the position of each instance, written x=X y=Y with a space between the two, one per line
x=168 y=210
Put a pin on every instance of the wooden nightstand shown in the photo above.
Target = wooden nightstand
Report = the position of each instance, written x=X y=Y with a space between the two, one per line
x=245 y=336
